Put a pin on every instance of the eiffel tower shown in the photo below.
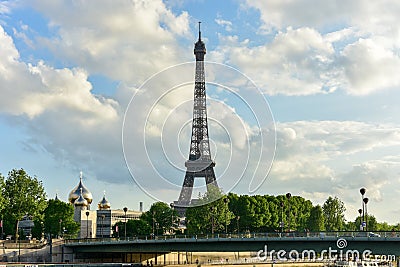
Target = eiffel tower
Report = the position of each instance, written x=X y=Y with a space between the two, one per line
x=199 y=163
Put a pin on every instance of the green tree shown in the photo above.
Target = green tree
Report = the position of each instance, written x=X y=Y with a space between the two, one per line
x=24 y=195
x=265 y=213
x=133 y=228
x=209 y=216
x=159 y=215
x=58 y=216
x=334 y=209
x=372 y=223
x=316 y=219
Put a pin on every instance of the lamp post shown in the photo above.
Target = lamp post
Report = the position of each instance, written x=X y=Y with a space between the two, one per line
x=172 y=216
x=282 y=216
x=212 y=220
x=42 y=229
x=60 y=222
x=365 y=200
x=87 y=224
x=2 y=227
x=360 y=212
x=153 y=223
x=157 y=227
x=125 y=210
x=288 y=196
x=19 y=242
x=295 y=221
x=237 y=223
x=226 y=201
x=362 y=192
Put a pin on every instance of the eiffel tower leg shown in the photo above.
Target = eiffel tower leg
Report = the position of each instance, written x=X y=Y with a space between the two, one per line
x=210 y=178
x=187 y=189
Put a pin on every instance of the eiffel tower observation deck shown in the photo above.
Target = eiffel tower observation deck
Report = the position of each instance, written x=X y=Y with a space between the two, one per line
x=199 y=163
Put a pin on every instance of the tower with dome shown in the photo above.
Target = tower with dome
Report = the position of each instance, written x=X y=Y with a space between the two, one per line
x=96 y=223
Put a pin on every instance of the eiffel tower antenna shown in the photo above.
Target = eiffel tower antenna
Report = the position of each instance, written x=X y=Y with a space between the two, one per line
x=199 y=31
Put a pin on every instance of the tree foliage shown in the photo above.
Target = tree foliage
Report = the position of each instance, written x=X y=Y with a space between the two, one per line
x=59 y=216
x=265 y=213
x=133 y=228
x=212 y=214
x=334 y=209
x=23 y=195
x=159 y=216
x=316 y=221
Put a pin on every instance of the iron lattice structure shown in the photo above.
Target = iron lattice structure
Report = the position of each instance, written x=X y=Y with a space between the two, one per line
x=200 y=163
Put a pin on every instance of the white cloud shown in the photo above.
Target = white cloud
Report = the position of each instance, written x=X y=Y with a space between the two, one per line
x=42 y=88
x=319 y=47
x=224 y=23
x=296 y=62
x=370 y=66
x=130 y=43
x=59 y=111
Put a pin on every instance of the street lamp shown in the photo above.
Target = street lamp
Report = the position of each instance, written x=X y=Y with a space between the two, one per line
x=153 y=223
x=288 y=196
x=237 y=223
x=282 y=216
x=187 y=226
x=60 y=221
x=360 y=212
x=226 y=200
x=212 y=220
x=365 y=200
x=172 y=216
x=125 y=210
x=19 y=242
x=362 y=192
x=87 y=224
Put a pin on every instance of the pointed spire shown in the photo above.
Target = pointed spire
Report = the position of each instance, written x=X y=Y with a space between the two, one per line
x=104 y=204
x=80 y=175
x=199 y=47
x=199 y=31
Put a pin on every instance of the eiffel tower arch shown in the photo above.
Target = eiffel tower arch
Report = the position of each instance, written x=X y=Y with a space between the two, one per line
x=199 y=163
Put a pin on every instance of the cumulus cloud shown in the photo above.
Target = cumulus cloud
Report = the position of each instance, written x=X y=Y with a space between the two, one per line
x=307 y=55
x=296 y=62
x=369 y=66
x=130 y=43
x=58 y=109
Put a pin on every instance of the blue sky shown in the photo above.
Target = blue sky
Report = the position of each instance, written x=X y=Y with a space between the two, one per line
x=328 y=71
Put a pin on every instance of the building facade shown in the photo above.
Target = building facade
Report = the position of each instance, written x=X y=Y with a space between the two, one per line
x=97 y=223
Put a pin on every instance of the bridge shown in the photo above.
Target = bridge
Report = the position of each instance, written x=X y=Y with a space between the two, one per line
x=322 y=243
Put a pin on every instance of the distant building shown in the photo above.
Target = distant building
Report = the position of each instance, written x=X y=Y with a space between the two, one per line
x=26 y=225
x=96 y=223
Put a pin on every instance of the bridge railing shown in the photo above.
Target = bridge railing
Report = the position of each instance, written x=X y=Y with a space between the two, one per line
x=272 y=235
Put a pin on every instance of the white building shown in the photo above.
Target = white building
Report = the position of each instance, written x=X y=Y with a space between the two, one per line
x=96 y=223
